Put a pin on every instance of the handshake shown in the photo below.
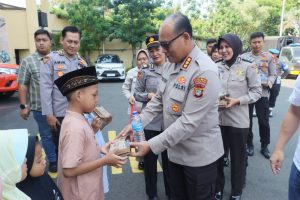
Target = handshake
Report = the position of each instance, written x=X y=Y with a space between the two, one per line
x=223 y=102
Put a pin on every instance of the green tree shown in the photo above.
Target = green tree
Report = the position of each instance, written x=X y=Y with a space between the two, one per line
x=133 y=20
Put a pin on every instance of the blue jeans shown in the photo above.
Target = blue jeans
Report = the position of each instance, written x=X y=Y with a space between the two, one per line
x=46 y=135
x=294 y=183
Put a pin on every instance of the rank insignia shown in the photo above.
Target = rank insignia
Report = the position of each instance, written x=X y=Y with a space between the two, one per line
x=46 y=59
x=181 y=80
x=60 y=73
x=82 y=62
x=175 y=107
x=151 y=40
x=186 y=63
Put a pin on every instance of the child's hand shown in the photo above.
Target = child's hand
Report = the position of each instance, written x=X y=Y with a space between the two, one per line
x=114 y=160
x=97 y=124
x=105 y=148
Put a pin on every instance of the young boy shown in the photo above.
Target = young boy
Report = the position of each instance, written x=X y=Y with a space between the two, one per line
x=79 y=160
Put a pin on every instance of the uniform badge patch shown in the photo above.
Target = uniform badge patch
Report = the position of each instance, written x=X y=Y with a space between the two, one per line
x=60 y=66
x=199 y=86
x=60 y=73
x=181 y=80
x=239 y=72
x=175 y=107
x=186 y=63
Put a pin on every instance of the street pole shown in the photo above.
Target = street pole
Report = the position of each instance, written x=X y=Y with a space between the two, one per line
x=282 y=16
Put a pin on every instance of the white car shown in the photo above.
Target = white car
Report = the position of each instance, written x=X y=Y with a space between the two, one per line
x=109 y=66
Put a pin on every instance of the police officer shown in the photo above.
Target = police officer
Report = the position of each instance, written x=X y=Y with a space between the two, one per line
x=55 y=65
x=281 y=72
x=267 y=73
x=188 y=99
x=240 y=86
x=145 y=89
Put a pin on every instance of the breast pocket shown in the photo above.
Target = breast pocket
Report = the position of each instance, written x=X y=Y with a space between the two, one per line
x=176 y=102
x=35 y=74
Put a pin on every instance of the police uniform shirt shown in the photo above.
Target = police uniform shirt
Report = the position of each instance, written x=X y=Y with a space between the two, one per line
x=55 y=65
x=148 y=83
x=266 y=68
x=240 y=81
x=188 y=98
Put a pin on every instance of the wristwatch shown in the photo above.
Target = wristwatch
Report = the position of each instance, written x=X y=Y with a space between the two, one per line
x=23 y=106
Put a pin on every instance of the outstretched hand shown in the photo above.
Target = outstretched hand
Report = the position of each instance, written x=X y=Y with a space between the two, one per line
x=141 y=148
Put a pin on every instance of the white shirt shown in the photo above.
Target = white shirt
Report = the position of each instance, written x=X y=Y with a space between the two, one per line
x=295 y=100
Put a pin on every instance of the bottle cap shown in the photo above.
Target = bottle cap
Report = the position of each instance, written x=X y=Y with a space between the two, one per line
x=134 y=113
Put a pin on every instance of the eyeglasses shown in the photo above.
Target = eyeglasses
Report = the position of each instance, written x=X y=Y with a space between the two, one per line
x=166 y=44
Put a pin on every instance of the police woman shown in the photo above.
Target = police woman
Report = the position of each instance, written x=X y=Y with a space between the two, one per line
x=240 y=86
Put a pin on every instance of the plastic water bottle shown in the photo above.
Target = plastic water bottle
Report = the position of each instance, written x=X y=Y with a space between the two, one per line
x=137 y=127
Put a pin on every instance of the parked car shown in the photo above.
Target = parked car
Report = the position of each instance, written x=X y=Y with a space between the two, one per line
x=290 y=55
x=8 y=79
x=110 y=66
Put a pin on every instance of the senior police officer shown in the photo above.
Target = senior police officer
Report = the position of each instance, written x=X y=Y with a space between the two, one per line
x=267 y=73
x=188 y=99
x=55 y=65
x=145 y=89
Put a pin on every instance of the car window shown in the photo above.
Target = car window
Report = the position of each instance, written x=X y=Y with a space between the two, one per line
x=296 y=52
x=109 y=59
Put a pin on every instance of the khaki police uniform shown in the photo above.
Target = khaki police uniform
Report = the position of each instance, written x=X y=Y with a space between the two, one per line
x=188 y=99
x=240 y=81
x=267 y=72
x=55 y=65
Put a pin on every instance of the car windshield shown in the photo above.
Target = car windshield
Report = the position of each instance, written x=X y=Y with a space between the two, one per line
x=108 y=59
x=296 y=52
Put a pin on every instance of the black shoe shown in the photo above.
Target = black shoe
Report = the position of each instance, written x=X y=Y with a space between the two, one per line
x=226 y=161
x=52 y=167
x=218 y=195
x=265 y=152
x=250 y=150
x=141 y=166
x=154 y=198
x=236 y=197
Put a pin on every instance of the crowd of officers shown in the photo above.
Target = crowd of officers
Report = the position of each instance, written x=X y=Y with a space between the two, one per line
x=197 y=109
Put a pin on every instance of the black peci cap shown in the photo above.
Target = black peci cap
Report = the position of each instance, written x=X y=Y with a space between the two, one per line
x=77 y=79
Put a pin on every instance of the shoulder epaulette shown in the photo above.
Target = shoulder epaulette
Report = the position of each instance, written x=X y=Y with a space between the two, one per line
x=249 y=60
x=217 y=61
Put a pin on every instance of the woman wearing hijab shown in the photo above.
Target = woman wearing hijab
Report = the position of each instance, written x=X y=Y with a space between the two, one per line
x=240 y=86
x=38 y=184
x=13 y=146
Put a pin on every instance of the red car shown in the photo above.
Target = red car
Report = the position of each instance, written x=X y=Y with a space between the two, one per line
x=8 y=79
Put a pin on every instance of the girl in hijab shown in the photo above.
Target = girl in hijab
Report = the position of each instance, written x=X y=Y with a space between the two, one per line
x=38 y=184
x=240 y=86
x=13 y=146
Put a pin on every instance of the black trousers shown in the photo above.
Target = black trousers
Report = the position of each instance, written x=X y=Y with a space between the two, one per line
x=192 y=183
x=55 y=135
x=150 y=168
x=262 y=112
x=235 y=140
x=274 y=92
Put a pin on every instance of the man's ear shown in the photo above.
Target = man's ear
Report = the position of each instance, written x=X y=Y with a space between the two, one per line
x=77 y=95
x=186 y=36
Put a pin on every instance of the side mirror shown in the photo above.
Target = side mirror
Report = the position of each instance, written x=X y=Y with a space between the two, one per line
x=121 y=61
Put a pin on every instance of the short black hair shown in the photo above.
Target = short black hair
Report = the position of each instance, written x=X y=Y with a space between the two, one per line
x=72 y=29
x=210 y=41
x=214 y=47
x=257 y=35
x=42 y=32
x=182 y=24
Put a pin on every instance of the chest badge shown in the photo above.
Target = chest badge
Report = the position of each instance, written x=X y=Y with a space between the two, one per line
x=239 y=72
x=60 y=67
x=175 y=107
x=60 y=73
x=181 y=80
